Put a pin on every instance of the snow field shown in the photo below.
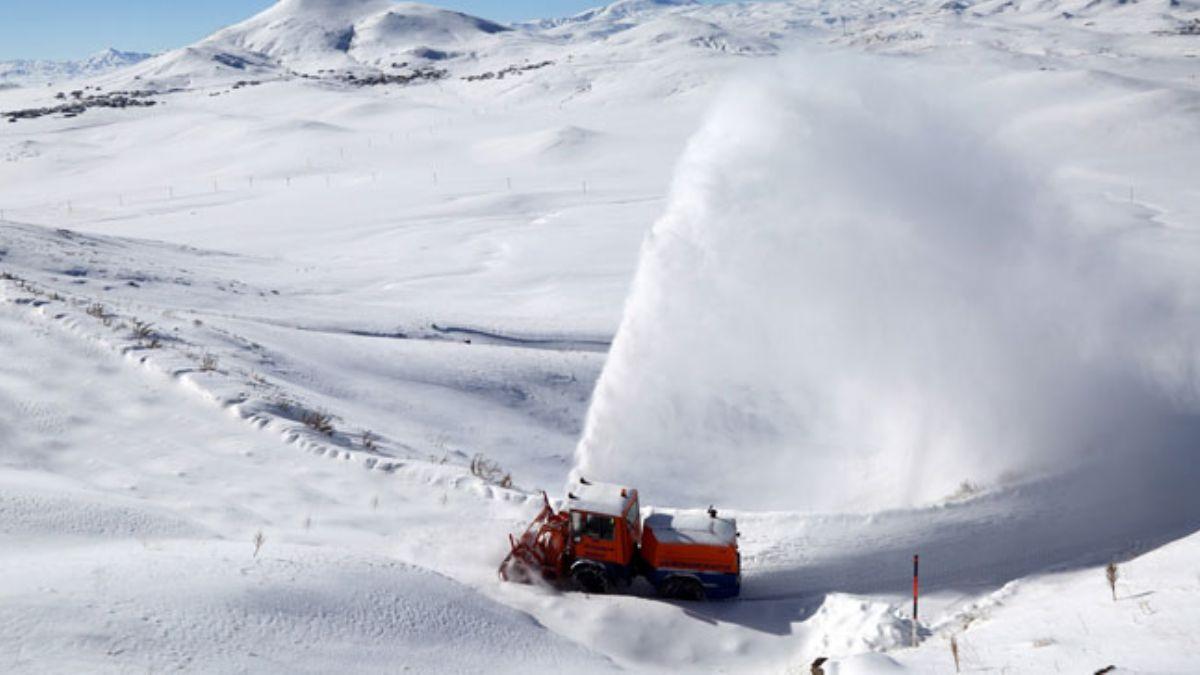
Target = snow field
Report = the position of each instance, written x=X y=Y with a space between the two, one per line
x=444 y=265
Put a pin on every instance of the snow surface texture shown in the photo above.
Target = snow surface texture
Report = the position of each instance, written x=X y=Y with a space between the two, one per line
x=436 y=269
x=119 y=498
x=860 y=293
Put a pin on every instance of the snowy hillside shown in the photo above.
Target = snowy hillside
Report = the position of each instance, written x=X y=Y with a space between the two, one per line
x=300 y=319
x=42 y=72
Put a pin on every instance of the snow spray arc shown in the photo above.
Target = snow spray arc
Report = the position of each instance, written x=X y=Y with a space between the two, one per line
x=856 y=300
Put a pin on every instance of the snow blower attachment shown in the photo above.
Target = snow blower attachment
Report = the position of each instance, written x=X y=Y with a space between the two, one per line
x=600 y=542
x=538 y=549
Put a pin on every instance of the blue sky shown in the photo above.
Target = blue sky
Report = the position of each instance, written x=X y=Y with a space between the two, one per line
x=70 y=29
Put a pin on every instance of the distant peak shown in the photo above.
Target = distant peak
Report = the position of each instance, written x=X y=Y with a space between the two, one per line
x=624 y=8
x=639 y=5
x=113 y=52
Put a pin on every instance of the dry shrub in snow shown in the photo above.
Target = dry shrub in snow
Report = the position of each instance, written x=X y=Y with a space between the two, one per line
x=370 y=441
x=142 y=329
x=318 y=421
x=490 y=472
x=145 y=334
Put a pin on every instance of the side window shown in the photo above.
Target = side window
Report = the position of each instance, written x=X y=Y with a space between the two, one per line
x=599 y=527
x=634 y=518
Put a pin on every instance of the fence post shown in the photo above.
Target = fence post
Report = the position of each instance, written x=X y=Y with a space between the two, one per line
x=916 y=593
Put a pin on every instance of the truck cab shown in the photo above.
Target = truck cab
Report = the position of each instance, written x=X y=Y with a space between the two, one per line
x=689 y=556
x=604 y=537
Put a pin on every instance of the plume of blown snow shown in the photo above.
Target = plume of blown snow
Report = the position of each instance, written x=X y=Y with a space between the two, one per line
x=855 y=300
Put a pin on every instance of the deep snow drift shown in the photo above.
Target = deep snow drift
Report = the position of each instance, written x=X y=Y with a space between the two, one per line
x=859 y=299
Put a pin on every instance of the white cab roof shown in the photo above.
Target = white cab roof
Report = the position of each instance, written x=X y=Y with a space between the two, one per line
x=603 y=498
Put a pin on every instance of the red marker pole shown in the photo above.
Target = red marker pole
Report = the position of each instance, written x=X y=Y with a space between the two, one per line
x=916 y=593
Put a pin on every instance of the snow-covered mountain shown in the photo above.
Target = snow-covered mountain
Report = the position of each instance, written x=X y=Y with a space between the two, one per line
x=40 y=72
x=381 y=37
x=311 y=36
x=618 y=11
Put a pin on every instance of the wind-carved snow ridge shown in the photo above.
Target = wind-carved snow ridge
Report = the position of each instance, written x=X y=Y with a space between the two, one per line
x=856 y=300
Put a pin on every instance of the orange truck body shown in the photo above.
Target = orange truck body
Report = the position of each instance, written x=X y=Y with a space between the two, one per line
x=599 y=540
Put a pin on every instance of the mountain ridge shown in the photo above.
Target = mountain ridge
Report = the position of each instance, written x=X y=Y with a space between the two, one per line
x=35 y=70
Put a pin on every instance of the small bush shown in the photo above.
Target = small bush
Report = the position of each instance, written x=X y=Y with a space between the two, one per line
x=490 y=472
x=1111 y=573
x=97 y=310
x=142 y=330
x=208 y=363
x=319 y=421
x=370 y=441
x=145 y=334
x=259 y=540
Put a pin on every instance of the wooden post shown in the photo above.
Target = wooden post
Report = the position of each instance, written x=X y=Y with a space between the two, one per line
x=916 y=593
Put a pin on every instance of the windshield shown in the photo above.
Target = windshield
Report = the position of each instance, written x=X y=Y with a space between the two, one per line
x=593 y=525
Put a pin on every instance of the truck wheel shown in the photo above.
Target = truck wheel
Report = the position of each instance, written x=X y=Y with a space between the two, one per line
x=682 y=588
x=590 y=579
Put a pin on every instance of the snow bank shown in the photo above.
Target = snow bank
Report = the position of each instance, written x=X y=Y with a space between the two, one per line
x=209 y=607
x=857 y=300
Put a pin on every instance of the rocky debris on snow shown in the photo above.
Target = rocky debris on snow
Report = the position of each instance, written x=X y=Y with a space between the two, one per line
x=80 y=101
x=377 y=79
x=511 y=70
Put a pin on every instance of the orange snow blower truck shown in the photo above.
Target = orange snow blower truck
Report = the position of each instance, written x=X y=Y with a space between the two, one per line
x=599 y=542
